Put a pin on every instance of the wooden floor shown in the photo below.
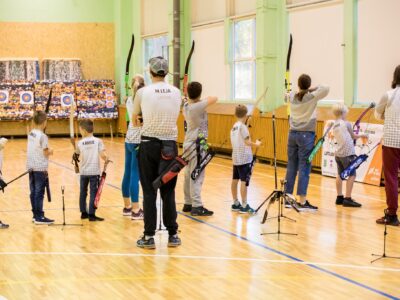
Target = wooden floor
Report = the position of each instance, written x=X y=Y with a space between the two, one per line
x=222 y=257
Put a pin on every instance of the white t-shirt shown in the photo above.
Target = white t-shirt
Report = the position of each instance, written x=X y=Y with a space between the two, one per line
x=241 y=153
x=159 y=104
x=37 y=143
x=89 y=149
x=133 y=134
x=344 y=136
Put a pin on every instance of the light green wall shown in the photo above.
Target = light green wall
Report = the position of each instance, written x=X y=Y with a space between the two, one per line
x=57 y=11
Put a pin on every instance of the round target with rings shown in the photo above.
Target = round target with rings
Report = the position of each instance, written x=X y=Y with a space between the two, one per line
x=26 y=97
x=3 y=96
x=66 y=100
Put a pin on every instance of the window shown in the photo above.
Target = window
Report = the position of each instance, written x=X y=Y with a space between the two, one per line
x=244 y=63
x=154 y=46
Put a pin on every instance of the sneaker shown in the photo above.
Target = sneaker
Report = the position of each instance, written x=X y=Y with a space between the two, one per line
x=389 y=220
x=187 y=208
x=287 y=204
x=348 y=202
x=174 y=241
x=137 y=216
x=306 y=206
x=127 y=211
x=246 y=210
x=146 y=243
x=339 y=200
x=201 y=212
x=94 y=218
x=236 y=207
x=84 y=215
x=3 y=226
x=43 y=221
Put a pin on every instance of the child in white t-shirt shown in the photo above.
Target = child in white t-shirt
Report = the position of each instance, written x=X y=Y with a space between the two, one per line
x=344 y=154
x=3 y=141
x=90 y=149
x=38 y=154
x=242 y=157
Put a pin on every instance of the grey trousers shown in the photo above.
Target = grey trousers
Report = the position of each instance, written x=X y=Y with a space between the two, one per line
x=192 y=188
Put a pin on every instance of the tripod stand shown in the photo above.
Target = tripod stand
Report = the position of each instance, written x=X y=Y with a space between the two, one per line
x=63 y=209
x=381 y=256
x=278 y=196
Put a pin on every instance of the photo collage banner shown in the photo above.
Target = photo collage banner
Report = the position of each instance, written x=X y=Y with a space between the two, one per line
x=95 y=99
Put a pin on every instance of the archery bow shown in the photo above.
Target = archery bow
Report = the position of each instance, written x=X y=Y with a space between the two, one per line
x=288 y=85
x=356 y=126
x=255 y=106
x=127 y=88
x=75 y=156
x=319 y=144
x=186 y=75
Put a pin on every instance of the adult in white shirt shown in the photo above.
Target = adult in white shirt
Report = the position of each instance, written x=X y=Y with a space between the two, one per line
x=388 y=109
x=159 y=104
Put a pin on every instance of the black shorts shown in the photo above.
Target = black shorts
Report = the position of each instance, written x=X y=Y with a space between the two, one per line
x=241 y=172
x=343 y=163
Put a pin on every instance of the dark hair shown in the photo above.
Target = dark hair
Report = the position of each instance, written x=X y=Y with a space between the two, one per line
x=396 y=77
x=87 y=125
x=39 y=117
x=304 y=83
x=157 y=75
x=240 y=111
x=194 y=89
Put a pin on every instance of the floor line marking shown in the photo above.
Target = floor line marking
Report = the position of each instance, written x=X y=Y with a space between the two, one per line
x=326 y=271
x=202 y=257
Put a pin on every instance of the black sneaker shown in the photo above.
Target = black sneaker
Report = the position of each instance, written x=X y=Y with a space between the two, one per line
x=94 y=218
x=236 y=207
x=43 y=221
x=84 y=215
x=348 y=202
x=3 y=226
x=174 y=241
x=389 y=220
x=247 y=210
x=187 y=208
x=201 y=212
x=127 y=211
x=306 y=206
x=147 y=244
x=339 y=200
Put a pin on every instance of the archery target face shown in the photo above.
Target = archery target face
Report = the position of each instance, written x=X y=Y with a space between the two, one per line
x=110 y=104
x=109 y=95
x=4 y=96
x=67 y=100
x=26 y=97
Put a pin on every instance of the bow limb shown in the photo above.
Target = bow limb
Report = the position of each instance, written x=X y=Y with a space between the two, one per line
x=357 y=126
x=71 y=123
x=256 y=105
x=186 y=75
x=128 y=61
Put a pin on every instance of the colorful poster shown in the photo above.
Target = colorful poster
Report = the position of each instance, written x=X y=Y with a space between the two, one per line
x=4 y=95
x=370 y=171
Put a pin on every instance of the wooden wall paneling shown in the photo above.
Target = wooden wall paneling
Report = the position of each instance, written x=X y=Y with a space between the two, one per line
x=93 y=43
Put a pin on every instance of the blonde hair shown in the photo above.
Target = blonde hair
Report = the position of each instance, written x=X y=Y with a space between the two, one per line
x=140 y=79
x=339 y=109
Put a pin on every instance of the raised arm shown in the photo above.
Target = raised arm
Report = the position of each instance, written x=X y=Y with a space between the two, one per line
x=211 y=100
x=381 y=107
x=320 y=92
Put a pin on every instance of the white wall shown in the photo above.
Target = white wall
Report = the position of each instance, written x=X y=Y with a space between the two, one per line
x=317 y=38
x=207 y=10
x=208 y=61
x=378 y=47
x=154 y=16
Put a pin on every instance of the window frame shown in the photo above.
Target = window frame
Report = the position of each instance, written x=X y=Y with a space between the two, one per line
x=252 y=59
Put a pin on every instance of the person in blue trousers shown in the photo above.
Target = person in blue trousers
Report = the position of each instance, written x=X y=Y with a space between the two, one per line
x=303 y=120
